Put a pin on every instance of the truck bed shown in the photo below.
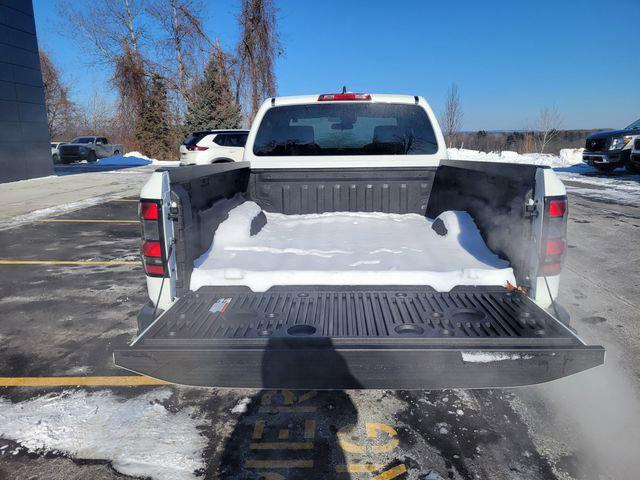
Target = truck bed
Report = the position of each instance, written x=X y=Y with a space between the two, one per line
x=328 y=337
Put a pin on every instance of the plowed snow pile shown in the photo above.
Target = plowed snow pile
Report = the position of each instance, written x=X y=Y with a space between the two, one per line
x=348 y=248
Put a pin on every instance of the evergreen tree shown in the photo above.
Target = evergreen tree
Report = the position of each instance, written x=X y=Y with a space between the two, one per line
x=153 y=126
x=214 y=105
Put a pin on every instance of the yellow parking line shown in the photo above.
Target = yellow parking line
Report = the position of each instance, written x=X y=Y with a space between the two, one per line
x=359 y=468
x=282 y=446
x=74 y=220
x=111 y=381
x=279 y=464
x=70 y=262
x=391 y=473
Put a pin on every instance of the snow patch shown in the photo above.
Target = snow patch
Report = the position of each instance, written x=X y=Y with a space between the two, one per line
x=486 y=357
x=242 y=405
x=348 y=248
x=139 y=436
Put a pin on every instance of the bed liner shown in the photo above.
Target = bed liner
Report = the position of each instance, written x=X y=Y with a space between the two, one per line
x=329 y=337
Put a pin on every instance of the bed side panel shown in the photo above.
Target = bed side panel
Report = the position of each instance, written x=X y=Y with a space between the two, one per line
x=495 y=195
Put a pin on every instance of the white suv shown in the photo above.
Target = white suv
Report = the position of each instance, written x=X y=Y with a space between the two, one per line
x=213 y=146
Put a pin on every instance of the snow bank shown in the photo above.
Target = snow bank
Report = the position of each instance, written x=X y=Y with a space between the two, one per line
x=139 y=436
x=568 y=157
x=348 y=248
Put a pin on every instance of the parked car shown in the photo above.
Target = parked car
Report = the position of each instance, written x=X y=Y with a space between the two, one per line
x=55 y=153
x=88 y=148
x=213 y=146
x=310 y=318
x=635 y=156
x=611 y=149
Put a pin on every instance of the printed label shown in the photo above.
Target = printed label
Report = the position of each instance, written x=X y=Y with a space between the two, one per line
x=220 y=305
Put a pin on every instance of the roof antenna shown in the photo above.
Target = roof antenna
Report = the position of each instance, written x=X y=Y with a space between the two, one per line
x=344 y=89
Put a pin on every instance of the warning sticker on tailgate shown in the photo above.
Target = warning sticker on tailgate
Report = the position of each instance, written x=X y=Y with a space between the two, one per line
x=220 y=305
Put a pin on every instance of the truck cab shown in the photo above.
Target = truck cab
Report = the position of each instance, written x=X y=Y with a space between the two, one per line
x=348 y=251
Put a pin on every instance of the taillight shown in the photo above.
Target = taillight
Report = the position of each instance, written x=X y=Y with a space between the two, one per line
x=149 y=211
x=341 y=97
x=557 y=207
x=555 y=247
x=554 y=232
x=197 y=147
x=152 y=249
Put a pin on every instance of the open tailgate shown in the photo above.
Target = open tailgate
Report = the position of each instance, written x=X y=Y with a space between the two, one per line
x=357 y=337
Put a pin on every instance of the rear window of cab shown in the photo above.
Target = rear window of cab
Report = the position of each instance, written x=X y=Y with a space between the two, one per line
x=345 y=129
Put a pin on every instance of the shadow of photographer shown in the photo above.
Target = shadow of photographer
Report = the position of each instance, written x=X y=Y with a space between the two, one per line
x=290 y=427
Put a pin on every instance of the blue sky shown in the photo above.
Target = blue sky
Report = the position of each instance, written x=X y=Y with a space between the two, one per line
x=509 y=58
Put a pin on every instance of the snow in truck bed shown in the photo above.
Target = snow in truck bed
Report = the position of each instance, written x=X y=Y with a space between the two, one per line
x=348 y=248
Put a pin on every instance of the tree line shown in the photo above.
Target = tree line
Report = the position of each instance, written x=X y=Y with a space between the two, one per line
x=170 y=76
x=544 y=135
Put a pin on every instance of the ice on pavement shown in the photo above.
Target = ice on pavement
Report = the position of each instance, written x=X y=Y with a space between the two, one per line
x=138 y=435
x=348 y=248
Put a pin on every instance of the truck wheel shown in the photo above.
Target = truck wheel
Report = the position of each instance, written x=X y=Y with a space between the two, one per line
x=92 y=157
x=606 y=167
x=56 y=159
x=631 y=168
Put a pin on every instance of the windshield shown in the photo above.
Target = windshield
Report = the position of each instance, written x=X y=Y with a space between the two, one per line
x=82 y=140
x=345 y=129
x=194 y=138
x=634 y=126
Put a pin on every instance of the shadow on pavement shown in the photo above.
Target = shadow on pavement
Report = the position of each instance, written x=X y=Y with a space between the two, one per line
x=292 y=434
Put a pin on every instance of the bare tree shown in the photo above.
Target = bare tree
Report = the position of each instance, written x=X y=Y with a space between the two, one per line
x=257 y=50
x=183 y=40
x=115 y=31
x=548 y=127
x=98 y=115
x=452 y=115
x=61 y=111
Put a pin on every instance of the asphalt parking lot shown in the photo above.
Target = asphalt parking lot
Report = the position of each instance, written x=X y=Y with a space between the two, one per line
x=71 y=286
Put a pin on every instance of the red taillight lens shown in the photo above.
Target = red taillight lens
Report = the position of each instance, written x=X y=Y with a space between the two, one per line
x=341 y=97
x=197 y=147
x=155 y=269
x=555 y=246
x=151 y=249
x=557 y=207
x=149 y=210
x=152 y=258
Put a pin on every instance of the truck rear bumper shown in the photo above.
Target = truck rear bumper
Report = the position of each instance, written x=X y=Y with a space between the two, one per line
x=357 y=337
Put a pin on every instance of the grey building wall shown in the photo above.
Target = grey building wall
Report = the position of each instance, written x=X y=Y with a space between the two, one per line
x=24 y=136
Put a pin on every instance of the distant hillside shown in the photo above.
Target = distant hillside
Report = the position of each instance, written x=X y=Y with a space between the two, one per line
x=520 y=141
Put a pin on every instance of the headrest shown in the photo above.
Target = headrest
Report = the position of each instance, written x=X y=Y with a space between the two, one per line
x=387 y=134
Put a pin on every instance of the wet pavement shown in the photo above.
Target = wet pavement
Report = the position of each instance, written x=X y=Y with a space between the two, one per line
x=62 y=319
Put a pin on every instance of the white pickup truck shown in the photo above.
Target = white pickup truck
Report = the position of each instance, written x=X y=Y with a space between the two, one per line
x=348 y=251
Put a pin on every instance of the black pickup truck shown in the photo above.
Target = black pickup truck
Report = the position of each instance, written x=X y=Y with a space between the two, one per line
x=611 y=149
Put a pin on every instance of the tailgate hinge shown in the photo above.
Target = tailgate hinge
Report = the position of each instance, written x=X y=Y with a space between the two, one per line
x=173 y=212
x=531 y=210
